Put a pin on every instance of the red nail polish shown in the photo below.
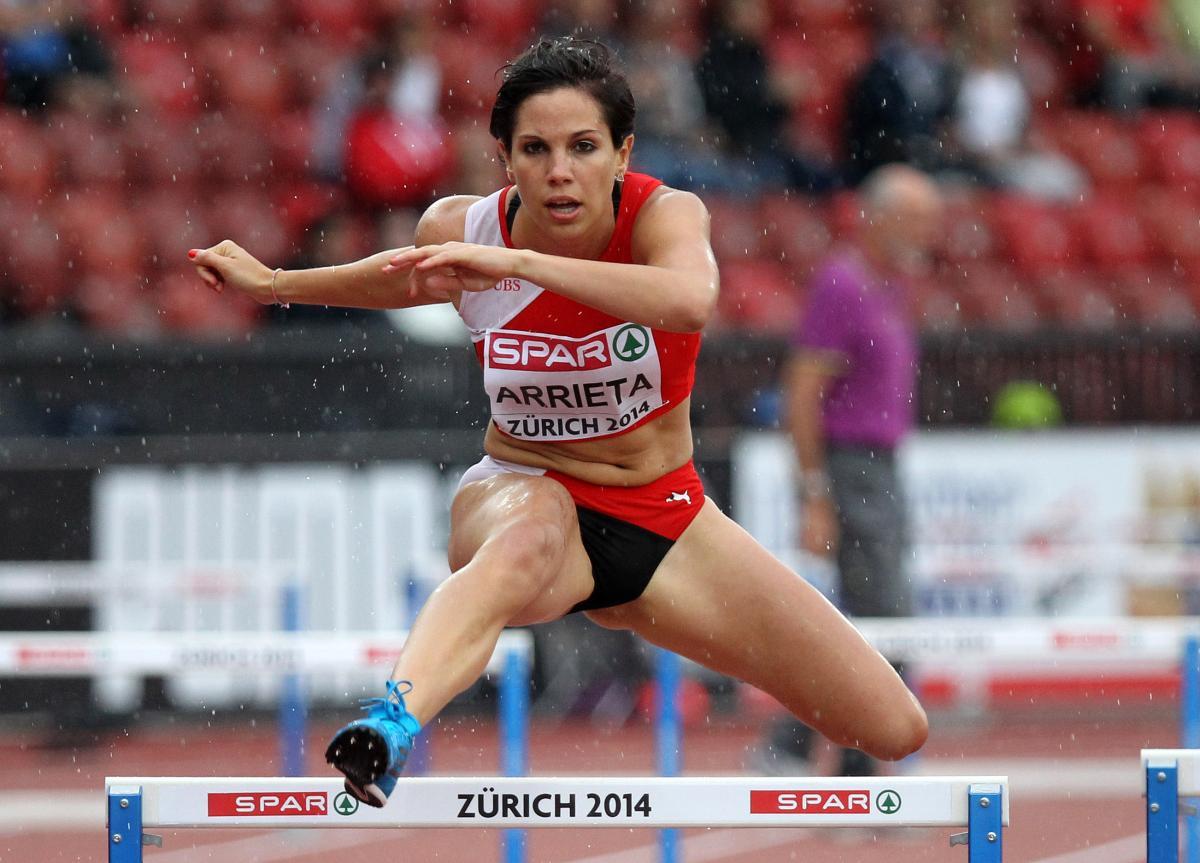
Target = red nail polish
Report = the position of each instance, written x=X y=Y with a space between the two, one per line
x=193 y=253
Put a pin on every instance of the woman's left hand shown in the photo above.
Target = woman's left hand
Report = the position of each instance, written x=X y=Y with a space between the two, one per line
x=473 y=267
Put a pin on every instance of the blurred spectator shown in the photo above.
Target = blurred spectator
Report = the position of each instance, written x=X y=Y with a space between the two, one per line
x=42 y=42
x=1143 y=61
x=399 y=74
x=397 y=148
x=746 y=99
x=897 y=108
x=849 y=393
x=673 y=137
x=992 y=110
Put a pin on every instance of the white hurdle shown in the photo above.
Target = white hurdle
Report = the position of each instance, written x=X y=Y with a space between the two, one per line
x=980 y=804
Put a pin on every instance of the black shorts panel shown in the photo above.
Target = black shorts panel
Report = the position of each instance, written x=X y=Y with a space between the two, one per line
x=624 y=557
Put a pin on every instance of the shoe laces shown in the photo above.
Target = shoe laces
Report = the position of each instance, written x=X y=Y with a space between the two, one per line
x=392 y=702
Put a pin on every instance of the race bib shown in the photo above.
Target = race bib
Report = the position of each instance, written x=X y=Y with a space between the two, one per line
x=547 y=387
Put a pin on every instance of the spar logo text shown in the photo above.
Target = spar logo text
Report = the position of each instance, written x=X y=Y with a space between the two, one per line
x=546 y=353
x=811 y=802
x=262 y=804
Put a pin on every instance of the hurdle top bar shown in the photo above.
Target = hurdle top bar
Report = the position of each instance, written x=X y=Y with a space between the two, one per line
x=86 y=653
x=1187 y=762
x=478 y=802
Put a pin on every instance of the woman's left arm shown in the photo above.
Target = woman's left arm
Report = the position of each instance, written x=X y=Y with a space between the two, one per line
x=673 y=286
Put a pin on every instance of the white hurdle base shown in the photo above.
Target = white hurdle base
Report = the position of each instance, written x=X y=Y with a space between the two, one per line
x=977 y=803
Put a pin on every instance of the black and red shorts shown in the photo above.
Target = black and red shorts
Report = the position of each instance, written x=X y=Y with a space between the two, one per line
x=626 y=530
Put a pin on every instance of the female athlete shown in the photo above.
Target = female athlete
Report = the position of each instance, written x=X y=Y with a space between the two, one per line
x=585 y=287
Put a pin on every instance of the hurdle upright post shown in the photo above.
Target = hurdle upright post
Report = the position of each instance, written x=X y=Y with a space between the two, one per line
x=1189 y=702
x=124 y=824
x=668 y=738
x=514 y=736
x=293 y=706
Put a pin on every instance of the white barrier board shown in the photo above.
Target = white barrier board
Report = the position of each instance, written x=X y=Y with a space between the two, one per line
x=482 y=802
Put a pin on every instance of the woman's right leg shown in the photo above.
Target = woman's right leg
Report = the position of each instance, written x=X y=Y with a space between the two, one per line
x=516 y=559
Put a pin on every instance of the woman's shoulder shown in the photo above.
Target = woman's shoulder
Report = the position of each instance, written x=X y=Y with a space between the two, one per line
x=445 y=220
x=666 y=202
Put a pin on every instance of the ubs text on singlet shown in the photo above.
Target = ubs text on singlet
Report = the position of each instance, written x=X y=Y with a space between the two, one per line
x=548 y=387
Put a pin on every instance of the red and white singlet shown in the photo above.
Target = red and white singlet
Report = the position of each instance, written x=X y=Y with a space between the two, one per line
x=557 y=370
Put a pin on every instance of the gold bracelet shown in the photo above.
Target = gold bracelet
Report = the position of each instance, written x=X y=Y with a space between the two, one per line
x=275 y=296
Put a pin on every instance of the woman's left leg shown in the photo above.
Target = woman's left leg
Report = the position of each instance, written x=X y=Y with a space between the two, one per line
x=721 y=599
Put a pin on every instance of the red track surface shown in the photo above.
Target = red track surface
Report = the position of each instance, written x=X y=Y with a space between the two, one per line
x=1043 y=825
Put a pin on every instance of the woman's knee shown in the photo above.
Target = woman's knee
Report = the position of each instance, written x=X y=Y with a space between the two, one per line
x=527 y=553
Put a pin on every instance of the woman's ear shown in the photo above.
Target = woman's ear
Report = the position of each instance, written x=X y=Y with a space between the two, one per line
x=623 y=157
x=502 y=153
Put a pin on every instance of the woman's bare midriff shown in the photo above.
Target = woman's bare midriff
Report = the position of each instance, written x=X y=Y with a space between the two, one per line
x=635 y=458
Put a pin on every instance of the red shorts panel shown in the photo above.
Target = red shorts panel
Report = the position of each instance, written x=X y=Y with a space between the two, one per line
x=665 y=506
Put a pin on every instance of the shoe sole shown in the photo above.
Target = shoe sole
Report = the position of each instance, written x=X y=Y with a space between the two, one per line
x=359 y=754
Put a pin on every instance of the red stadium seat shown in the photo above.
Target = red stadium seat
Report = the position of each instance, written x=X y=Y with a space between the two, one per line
x=1171 y=218
x=249 y=216
x=1104 y=146
x=995 y=296
x=470 y=74
x=186 y=17
x=1036 y=236
x=186 y=305
x=232 y=149
x=246 y=74
x=116 y=303
x=164 y=152
x=27 y=163
x=1156 y=297
x=795 y=232
x=158 y=71
x=813 y=16
x=758 y=296
x=737 y=234
x=969 y=236
x=1171 y=142
x=263 y=16
x=343 y=22
x=172 y=221
x=508 y=24
x=31 y=254
x=1079 y=300
x=91 y=153
x=1111 y=233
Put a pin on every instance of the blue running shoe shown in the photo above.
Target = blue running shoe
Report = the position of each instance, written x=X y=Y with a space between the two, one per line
x=371 y=752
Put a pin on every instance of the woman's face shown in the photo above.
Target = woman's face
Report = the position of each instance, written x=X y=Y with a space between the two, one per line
x=564 y=164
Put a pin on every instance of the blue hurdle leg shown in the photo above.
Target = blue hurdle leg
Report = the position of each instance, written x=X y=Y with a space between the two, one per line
x=514 y=737
x=125 y=825
x=669 y=739
x=985 y=817
x=1190 y=736
x=1162 y=815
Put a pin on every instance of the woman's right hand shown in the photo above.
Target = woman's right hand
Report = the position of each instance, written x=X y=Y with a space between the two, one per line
x=229 y=265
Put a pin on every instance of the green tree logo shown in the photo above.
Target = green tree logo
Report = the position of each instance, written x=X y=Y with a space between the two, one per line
x=345 y=804
x=631 y=342
x=888 y=802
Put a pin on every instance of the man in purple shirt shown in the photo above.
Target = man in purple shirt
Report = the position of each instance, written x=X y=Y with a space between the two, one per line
x=849 y=393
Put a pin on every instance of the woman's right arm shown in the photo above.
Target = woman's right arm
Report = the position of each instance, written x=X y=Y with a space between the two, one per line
x=364 y=284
